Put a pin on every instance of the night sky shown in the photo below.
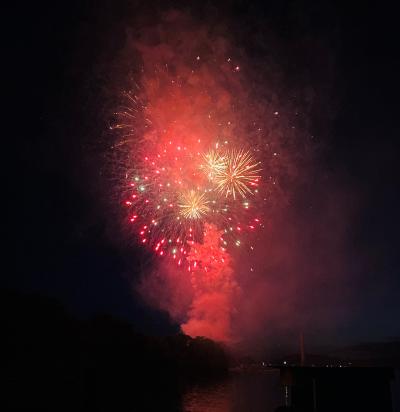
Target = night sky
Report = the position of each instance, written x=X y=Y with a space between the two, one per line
x=59 y=229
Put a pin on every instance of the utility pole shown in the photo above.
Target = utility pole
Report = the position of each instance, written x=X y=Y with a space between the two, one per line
x=302 y=353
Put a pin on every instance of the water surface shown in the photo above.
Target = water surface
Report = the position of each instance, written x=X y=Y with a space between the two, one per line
x=240 y=392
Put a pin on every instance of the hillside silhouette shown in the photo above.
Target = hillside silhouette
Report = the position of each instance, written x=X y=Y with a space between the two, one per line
x=54 y=361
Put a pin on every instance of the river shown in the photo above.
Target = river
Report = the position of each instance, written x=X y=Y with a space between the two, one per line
x=240 y=392
x=249 y=392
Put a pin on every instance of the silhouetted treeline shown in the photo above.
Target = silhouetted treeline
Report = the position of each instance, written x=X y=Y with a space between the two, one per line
x=53 y=361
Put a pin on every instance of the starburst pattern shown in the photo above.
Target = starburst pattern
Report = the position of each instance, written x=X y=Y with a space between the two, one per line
x=193 y=205
x=240 y=176
x=214 y=163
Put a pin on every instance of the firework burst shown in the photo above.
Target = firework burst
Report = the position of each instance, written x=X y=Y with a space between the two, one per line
x=193 y=205
x=239 y=176
x=214 y=163
x=177 y=183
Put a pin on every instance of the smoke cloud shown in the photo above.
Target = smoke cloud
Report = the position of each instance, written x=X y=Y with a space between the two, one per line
x=195 y=77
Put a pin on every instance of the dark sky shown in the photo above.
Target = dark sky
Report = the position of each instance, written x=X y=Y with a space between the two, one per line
x=56 y=229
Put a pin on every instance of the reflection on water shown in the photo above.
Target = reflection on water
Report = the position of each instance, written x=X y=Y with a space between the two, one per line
x=241 y=392
x=249 y=392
